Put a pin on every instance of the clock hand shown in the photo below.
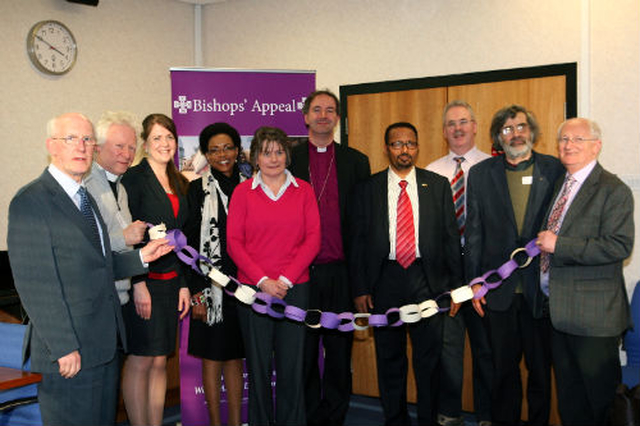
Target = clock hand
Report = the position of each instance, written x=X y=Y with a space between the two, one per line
x=49 y=44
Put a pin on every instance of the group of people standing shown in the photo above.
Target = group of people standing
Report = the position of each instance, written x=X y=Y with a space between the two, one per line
x=309 y=225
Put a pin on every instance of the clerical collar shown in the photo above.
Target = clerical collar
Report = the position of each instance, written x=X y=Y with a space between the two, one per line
x=322 y=149
x=110 y=176
x=520 y=166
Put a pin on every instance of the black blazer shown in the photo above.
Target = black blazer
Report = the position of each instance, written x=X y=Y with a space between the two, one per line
x=149 y=202
x=352 y=167
x=439 y=239
x=491 y=232
x=64 y=281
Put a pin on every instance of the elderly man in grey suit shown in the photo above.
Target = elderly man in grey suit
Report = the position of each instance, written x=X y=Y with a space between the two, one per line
x=588 y=233
x=115 y=150
x=64 y=272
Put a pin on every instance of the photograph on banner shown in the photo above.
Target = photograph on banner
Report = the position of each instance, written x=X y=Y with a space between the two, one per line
x=246 y=100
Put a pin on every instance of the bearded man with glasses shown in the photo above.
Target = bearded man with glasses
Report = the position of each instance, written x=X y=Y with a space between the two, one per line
x=507 y=197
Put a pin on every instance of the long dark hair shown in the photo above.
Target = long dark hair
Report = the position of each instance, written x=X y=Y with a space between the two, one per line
x=177 y=181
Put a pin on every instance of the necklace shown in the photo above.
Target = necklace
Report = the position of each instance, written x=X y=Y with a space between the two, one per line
x=326 y=177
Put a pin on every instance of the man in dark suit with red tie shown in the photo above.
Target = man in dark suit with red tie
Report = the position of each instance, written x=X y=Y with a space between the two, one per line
x=64 y=272
x=589 y=232
x=406 y=249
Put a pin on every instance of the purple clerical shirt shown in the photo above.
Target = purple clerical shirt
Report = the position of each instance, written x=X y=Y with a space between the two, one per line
x=324 y=179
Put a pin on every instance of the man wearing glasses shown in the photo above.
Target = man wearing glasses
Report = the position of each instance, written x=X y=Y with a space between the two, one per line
x=507 y=198
x=64 y=272
x=588 y=233
x=406 y=250
x=459 y=130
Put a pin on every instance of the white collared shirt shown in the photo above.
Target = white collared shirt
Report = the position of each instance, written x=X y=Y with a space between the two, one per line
x=71 y=187
x=446 y=166
x=257 y=181
x=393 y=193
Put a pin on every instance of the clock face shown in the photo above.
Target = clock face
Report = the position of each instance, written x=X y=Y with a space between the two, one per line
x=52 y=47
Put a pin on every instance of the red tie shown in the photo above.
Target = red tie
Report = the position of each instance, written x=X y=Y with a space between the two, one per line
x=457 y=187
x=405 y=238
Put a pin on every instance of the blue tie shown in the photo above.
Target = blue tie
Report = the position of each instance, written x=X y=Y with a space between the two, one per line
x=87 y=212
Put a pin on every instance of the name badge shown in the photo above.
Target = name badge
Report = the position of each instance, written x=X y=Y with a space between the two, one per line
x=527 y=180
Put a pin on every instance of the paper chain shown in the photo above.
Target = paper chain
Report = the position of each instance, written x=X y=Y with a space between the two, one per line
x=264 y=303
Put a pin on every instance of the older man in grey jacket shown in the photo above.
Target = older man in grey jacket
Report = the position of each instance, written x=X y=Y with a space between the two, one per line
x=116 y=138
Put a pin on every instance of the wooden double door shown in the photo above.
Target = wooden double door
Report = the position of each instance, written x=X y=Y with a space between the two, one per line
x=367 y=109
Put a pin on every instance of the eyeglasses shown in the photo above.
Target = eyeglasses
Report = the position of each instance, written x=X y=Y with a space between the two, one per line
x=226 y=149
x=401 y=144
x=508 y=130
x=453 y=124
x=73 y=140
x=579 y=140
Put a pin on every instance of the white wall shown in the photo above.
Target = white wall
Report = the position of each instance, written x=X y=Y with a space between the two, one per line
x=127 y=46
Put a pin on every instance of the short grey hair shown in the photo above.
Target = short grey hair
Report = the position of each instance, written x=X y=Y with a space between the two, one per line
x=594 y=128
x=457 y=103
x=52 y=124
x=109 y=118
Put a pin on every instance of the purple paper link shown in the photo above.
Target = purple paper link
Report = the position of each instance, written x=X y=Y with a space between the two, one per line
x=393 y=310
x=329 y=320
x=507 y=269
x=272 y=312
x=346 y=321
x=489 y=285
x=263 y=297
x=294 y=313
x=176 y=238
x=446 y=293
x=191 y=259
x=482 y=291
x=532 y=249
x=378 y=320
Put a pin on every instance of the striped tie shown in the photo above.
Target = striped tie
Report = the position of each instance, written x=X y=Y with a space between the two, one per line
x=457 y=187
x=87 y=212
x=405 y=233
x=553 y=223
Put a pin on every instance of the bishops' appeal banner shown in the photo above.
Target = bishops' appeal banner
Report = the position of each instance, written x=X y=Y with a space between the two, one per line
x=245 y=99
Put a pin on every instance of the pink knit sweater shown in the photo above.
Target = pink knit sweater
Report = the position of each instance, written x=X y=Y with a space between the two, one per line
x=272 y=238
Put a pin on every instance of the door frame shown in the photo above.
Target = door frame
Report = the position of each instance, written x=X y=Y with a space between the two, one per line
x=569 y=70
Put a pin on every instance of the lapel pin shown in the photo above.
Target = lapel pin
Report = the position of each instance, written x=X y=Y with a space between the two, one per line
x=424 y=185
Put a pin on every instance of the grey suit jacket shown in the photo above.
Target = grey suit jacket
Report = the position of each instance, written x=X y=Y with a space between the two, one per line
x=64 y=281
x=115 y=214
x=587 y=294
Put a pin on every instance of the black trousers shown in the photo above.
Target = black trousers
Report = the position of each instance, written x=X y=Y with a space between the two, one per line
x=266 y=340
x=451 y=366
x=328 y=390
x=587 y=373
x=396 y=287
x=512 y=334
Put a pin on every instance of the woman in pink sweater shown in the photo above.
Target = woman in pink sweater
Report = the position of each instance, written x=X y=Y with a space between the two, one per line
x=273 y=235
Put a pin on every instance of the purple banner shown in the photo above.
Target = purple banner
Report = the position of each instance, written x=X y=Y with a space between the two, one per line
x=246 y=99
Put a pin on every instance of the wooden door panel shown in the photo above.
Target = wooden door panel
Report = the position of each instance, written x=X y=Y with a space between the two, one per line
x=544 y=96
x=370 y=114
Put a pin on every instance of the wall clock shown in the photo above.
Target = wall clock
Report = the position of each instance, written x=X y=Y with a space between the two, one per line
x=52 y=47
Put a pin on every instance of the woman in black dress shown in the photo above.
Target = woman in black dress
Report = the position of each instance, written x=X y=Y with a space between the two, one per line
x=157 y=194
x=214 y=333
